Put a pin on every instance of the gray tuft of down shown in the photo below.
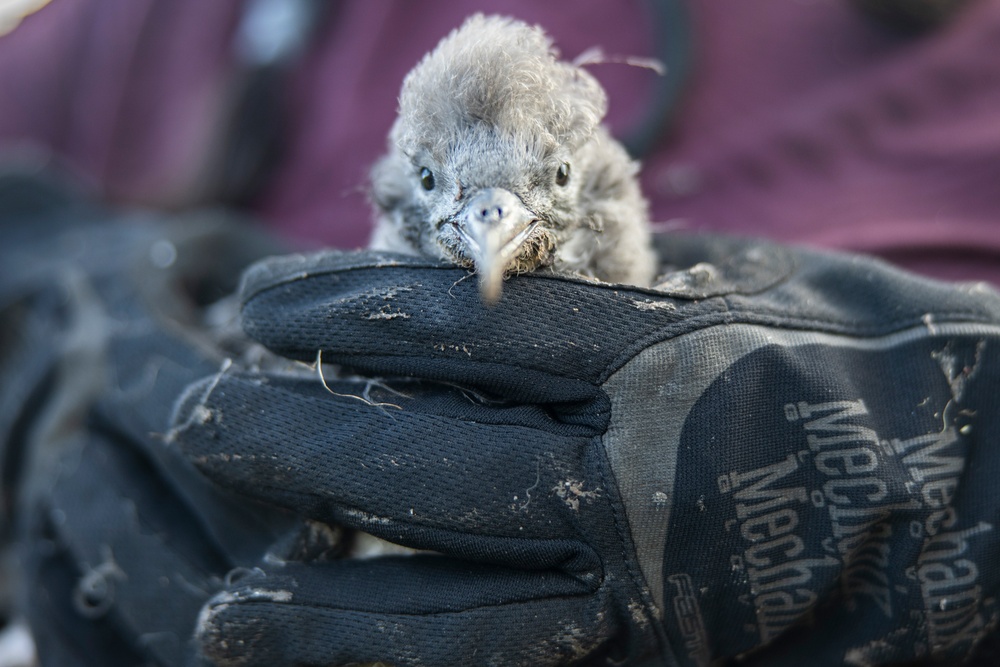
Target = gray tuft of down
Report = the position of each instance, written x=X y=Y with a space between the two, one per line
x=498 y=162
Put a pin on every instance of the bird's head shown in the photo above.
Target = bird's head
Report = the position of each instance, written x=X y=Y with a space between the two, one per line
x=489 y=151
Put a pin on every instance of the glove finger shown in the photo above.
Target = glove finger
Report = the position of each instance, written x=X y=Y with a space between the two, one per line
x=436 y=472
x=113 y=536
x=402 y=611
x=549 y=339
x=118 y=527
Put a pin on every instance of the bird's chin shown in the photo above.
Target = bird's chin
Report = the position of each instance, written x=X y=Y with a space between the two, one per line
x=451 y=247
x=535 y=251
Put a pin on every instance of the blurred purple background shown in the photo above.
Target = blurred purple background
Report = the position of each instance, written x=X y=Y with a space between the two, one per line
x=804 y=120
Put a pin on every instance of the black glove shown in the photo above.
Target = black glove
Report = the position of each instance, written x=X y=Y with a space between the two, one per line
x=781 y=455
x=118 y=541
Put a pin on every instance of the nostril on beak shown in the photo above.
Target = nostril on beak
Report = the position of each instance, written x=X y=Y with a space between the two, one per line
x=491 y=214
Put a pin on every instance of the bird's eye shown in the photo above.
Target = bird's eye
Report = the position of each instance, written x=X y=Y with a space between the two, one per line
x=562 y=174
x=427 y=178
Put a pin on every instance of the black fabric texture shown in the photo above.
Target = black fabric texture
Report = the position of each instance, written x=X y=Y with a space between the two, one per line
x=558 y=336
x=116 y=540
x=511 y=470
x=180 y=496
x=878 y=509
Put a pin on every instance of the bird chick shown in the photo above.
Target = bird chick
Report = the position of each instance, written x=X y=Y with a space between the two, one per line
x=498 y=162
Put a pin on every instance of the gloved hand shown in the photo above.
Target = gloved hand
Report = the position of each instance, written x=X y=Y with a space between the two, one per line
x=779 y=455
x=114 y=541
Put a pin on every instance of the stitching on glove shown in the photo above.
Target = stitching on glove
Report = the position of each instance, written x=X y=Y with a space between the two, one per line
x=608 y=481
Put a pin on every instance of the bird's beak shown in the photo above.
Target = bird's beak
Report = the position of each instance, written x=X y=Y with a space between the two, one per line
x=494 y=225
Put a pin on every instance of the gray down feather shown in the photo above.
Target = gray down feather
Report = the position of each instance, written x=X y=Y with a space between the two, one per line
x=494 y=132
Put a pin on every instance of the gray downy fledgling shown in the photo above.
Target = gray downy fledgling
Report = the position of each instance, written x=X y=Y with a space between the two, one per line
x=498 y=162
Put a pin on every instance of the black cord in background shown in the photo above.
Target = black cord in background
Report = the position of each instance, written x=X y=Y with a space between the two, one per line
x=673 y=46
x=271 y=39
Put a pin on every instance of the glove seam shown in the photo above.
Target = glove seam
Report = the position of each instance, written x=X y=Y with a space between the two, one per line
x=774 y=320
x=382 y=615
x=353 y=523
x=626 y=544
x=760 y=316
x=345 y=359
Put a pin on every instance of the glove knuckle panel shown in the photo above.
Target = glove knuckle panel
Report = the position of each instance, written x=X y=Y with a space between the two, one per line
x=816 y=440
